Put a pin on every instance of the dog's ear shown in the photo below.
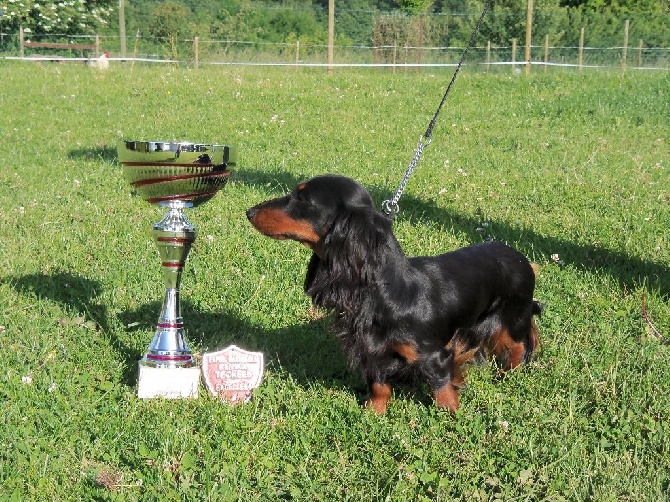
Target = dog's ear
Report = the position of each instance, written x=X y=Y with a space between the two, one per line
x=358 y=244
x=312 y=268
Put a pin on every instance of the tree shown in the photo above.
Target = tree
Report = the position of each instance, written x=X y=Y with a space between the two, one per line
x=169 y=20
x=66 y=17
x=415 y=6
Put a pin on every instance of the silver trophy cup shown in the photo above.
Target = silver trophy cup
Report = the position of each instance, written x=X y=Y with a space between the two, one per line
x=175 y=175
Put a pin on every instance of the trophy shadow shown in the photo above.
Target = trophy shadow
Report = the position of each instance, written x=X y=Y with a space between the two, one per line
x=79 y=294
x=630 y=272
x=305 y=351
x=107 y=154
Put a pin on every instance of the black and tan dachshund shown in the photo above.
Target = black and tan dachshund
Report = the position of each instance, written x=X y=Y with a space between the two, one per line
x=400 y=317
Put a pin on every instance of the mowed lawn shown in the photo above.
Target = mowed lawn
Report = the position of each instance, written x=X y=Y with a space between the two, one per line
x=569 y=167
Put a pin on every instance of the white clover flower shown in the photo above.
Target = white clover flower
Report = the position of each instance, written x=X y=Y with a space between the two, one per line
x=27 y=379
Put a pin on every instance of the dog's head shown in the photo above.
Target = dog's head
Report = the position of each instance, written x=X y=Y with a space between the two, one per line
x=309 y=212
x=336 y=218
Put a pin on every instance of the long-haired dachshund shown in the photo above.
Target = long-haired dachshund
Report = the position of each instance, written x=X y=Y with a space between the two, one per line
x=400 y=317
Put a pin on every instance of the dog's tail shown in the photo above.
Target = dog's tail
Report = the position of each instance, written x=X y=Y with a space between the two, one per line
x=537 y=308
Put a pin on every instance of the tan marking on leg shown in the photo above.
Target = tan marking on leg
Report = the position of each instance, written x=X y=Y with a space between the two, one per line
x=462 y=353
x=508 y=353
x=447 y=397
x=380 y=393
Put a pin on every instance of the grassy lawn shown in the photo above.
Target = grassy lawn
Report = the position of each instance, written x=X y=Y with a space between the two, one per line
x=571 y=168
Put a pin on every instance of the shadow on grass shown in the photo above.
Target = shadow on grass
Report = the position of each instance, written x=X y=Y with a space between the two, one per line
x=79 y=293
x=628 y=271
x=305 y=351
x=107 y=154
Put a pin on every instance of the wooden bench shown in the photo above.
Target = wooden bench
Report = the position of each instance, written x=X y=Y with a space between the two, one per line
x=84 y=48
x=73 y=47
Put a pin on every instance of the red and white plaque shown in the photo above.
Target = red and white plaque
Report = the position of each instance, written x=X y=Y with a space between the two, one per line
x=232 y=374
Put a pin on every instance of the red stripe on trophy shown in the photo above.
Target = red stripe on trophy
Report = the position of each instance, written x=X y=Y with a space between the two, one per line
x=170 y=325
x=152 y=181
x=204 y=176
x=157 y=357
x=188 y=196
x=178 y=164
x=173 y=264
x=176 y=240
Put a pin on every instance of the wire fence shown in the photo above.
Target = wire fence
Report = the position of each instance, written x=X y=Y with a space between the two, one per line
x=398 y=57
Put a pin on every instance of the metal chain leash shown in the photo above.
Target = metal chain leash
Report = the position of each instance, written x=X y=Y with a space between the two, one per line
x=391 y=207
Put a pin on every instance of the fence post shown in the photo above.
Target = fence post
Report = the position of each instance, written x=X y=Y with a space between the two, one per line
x=331 y=35
x=624 y=54
x=488 y=55
x=406 y=53
x=580 y=58
x=97 y=46
x=297 y=52
x=514 y=55
x=122 y=28
x=546 y=52
x=639 y=54
x=375 y=44
x=21 y=42
x=420 y=54
x=529 y=29
x=196 y=41
x=137 y=41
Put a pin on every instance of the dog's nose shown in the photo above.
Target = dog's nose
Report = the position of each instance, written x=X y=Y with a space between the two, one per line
x=251 y=212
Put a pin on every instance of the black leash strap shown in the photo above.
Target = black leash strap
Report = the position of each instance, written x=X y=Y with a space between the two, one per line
x=391 y=207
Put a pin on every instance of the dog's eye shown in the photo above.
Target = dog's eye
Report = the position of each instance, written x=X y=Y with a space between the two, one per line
x=301 y=196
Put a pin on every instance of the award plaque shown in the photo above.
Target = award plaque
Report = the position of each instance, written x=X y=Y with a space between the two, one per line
x=232 y=374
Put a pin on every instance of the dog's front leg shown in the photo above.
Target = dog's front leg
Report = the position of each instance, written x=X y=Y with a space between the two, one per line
x=446 y=397
x=444 y=379
x=380 y=394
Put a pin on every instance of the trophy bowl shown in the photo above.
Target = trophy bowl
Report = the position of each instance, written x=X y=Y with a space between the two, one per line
x=175 y=175
x=163 y=171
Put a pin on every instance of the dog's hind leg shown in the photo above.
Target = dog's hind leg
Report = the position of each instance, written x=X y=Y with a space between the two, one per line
x=508 y=353
x=515 y=343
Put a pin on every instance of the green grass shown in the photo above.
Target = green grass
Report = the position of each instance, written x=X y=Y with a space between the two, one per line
x=571 y=168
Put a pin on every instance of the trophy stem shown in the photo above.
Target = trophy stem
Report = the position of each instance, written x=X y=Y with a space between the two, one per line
x=174 y=235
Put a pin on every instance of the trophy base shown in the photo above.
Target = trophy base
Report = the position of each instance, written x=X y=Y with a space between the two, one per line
x=169 y=383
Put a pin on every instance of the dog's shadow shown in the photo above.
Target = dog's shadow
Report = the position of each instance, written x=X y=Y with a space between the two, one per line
x=628 y=271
